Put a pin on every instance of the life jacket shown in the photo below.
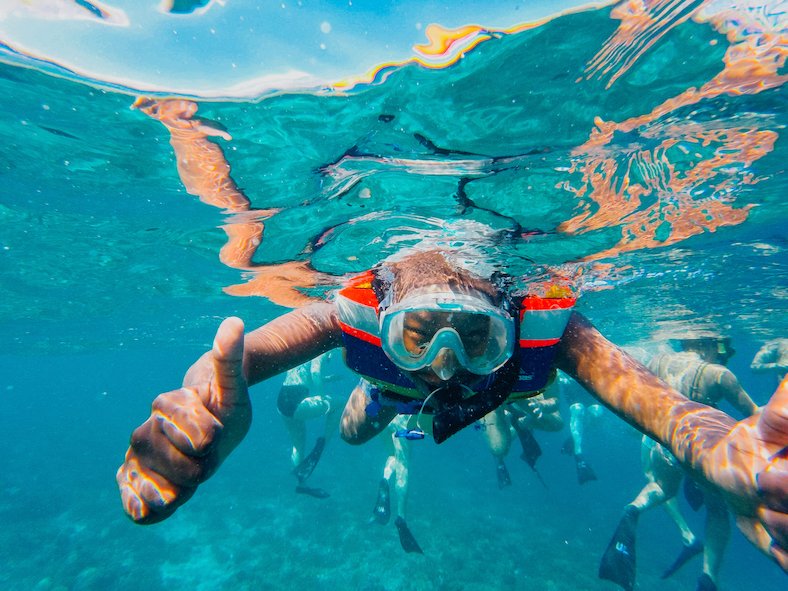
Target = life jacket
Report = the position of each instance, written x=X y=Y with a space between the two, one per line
x=539 y=326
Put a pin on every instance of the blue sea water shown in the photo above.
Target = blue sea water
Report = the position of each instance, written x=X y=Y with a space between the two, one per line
x=112 y=286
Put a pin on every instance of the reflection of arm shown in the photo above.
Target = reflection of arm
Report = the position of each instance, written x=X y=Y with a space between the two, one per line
x=204 y=171
x=283 y=343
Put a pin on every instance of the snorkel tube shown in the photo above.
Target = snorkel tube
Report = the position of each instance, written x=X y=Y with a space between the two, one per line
x=447 y=421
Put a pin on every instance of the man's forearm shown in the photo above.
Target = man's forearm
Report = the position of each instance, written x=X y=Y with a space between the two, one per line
x=687 y=428
x=283 y=343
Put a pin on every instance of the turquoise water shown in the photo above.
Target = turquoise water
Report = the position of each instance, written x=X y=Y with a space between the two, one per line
x=112 y=285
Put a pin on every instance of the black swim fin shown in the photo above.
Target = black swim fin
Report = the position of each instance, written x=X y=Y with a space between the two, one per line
x=584 y=471
x=318 y=493
x=531 y=448
x=406 y=539
x=307 y=466
x=706 y=584
x=382 y=510
x=618 y=562
x=568 y=448
x=504 y=479
x=693 y=493
x=687 y=552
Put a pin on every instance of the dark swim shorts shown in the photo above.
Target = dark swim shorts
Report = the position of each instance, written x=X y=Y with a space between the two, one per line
x=289 y=398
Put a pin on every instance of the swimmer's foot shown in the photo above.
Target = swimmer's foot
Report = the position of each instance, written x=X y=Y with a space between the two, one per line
x=706 y=584
x=504 y=479
x=584 y=471
x=686 y=554
x=618 y=562
x=318 y=493
x=382 y=510
x=406 y=539
x=307 y=466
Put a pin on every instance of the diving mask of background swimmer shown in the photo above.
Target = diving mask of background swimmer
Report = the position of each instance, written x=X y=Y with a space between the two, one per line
x=446 y=331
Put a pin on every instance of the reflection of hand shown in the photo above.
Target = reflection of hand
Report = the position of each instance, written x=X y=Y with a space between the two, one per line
x=751 y=466
x=177 y=114
x=188 y=435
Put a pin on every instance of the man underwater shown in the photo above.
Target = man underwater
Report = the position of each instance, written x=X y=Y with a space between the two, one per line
x=449 y=346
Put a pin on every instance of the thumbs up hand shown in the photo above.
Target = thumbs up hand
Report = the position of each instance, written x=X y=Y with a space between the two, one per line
x=189 y=433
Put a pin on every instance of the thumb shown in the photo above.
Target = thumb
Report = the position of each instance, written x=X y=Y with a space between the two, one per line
x=229 y=387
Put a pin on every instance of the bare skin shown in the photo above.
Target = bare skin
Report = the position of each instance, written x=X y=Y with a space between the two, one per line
x=193 y=429
x=745 y=461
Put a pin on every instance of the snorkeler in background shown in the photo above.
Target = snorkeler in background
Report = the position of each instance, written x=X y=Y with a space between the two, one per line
x=302 y=398
x=698 y=371
x=396 y=470
x=772 y=357
x=519 y=419
x=579 y=414
x=425 y=330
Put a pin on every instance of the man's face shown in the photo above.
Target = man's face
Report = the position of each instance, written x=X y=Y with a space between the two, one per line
x=420 y=327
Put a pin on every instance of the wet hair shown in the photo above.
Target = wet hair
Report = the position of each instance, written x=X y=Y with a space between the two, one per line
x=395 y=280
x=723 y=346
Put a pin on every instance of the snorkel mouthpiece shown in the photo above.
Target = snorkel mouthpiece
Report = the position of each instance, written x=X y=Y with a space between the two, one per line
x=454 y=417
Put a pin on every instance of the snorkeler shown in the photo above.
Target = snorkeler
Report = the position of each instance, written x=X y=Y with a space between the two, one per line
x=396 y=469
x=519 y=419
x=453 y=343
x=431 y=334
x=698 y=372
x=772 y=357
x=302 y=397
x=579 y=414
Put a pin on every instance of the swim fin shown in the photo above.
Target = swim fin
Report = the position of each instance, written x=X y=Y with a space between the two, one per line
x=406 y=539
x=618 y=562
x=584 y=471
x=382 y=510
x=318 y=493
x=706 y=584
x=693 y=493
x=568 y=448
x=531 y=448
x=684 y=556
x=307 y=466
x=503 y=475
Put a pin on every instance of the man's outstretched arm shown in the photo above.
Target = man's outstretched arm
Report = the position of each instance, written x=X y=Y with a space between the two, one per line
x=193 y=429
x=746 y=461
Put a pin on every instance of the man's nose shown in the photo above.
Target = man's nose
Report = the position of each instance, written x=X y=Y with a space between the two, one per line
x=445 y=364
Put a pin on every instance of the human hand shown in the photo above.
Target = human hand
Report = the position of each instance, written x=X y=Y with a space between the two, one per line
x=189 y=433
x=750 y=464
x=534 y=407
x=178 y=114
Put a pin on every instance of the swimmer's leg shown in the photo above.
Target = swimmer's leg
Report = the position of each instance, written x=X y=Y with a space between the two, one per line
x=692 y=546
x=496 y=431
x=576 y=427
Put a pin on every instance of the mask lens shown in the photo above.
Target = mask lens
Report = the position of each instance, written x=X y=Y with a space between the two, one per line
x=480 y=335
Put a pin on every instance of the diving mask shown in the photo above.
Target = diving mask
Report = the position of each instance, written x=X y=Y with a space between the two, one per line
x=460 y=329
